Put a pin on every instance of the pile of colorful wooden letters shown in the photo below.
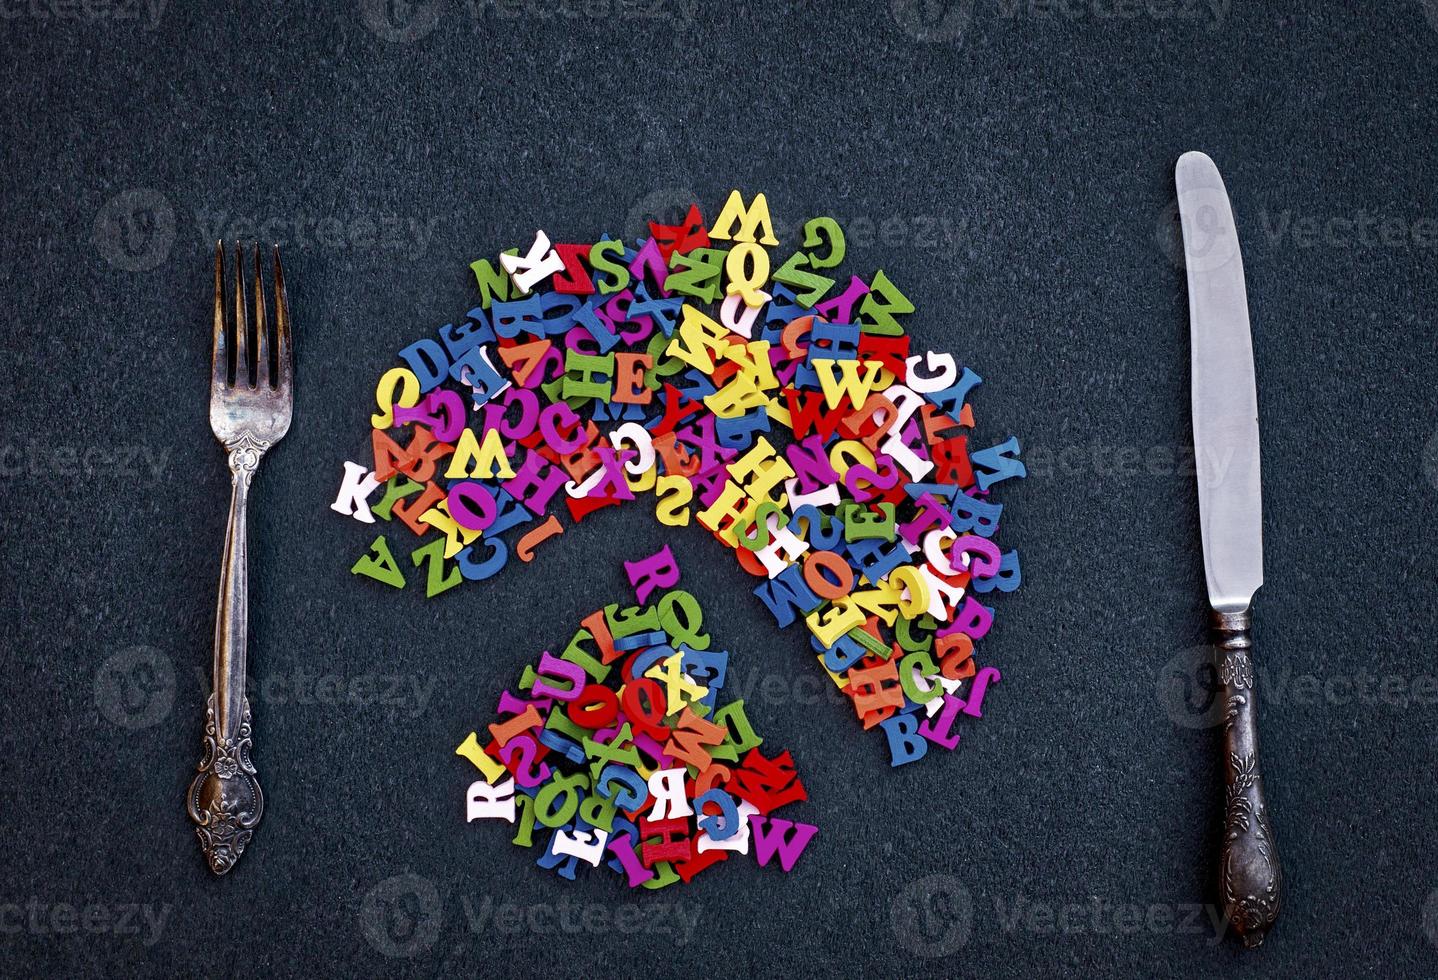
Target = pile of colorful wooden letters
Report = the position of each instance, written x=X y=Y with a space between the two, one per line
x=776 y=407
x=619 y=746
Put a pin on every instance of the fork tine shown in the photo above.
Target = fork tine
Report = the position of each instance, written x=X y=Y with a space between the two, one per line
x=283 y=362
x=242 y=323
x=262 y=346
x=219 y=353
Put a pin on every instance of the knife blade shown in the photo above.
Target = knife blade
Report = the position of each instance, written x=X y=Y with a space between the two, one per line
x=1225 y=439
x=1225 y=395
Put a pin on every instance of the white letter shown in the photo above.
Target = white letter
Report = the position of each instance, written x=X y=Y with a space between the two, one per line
x=354 y=493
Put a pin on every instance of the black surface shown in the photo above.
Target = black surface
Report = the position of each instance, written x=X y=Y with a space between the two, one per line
x=1025 y=154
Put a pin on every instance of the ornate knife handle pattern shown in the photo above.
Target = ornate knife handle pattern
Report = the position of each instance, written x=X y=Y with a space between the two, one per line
x=1250 y=876
x=225 y=802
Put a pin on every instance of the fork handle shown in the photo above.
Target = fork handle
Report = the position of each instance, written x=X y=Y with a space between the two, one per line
x=225 y=802
x=1250 y=876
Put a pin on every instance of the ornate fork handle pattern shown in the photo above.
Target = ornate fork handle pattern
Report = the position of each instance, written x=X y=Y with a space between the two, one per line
x=248 y=415
x=1250 y=876
x=245 y=455
x=225 y=801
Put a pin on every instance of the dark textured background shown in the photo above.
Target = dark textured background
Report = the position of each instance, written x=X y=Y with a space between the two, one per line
x=1012 y=164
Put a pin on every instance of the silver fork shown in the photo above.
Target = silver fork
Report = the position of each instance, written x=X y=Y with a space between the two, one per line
x=248 y=416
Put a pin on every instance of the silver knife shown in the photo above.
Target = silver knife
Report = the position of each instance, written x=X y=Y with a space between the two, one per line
x=1225 y=443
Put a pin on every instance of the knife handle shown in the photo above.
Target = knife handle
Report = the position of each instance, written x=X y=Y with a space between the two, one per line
x=1250 y=876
